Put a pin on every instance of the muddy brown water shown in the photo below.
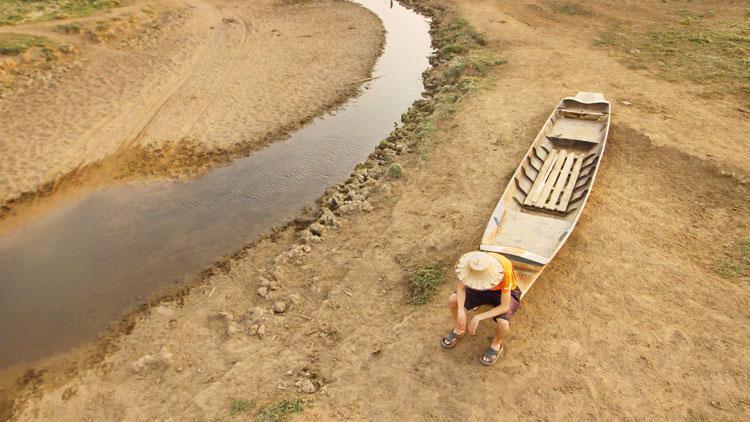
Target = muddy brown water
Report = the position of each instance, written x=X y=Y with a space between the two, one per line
x=65 y=276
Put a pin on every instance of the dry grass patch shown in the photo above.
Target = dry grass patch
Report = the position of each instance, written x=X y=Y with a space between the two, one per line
x=737 y=266
x=15 y=44
x=23 y=11
x=424 y=283
x=569 y=8
x=713 y=54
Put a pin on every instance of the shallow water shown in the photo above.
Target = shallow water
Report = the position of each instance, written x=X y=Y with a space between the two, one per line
x=65 y=276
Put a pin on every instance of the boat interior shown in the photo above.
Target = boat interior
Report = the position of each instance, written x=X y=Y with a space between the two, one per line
x=556 y=175
x=543 y=201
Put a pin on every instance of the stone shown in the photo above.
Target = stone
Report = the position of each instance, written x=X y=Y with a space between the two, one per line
x=328 y=218
x=163 y=309
x=232 y=329
x=306 y=385
x=157 y=361
x=317 y=229
x=262 y=291
x=279 y=273
x=306 y=236
x=264 y=282
x=261 y=331
x=279 y=307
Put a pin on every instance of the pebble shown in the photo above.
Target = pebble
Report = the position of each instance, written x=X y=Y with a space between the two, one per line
x=262 y=291
x=160 y=361
x=307 y=386
x=317 y=229
x=279 y=307
x=328 y=218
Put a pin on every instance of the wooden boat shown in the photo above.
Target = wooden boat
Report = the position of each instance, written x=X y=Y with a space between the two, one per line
x=542 y=204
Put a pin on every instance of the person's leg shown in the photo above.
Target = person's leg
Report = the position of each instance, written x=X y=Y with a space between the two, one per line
x=451 y=339
x=453 y=303
x=501 y=331
x=496 y=347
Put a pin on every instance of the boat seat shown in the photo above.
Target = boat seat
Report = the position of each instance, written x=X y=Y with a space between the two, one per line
x=576 y=130
x=557 y=180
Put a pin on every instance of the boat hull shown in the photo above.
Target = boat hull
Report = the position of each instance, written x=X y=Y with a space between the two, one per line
x=545 y=198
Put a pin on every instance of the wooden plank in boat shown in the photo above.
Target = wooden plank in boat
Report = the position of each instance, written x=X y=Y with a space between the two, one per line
x=550 y=182
x=564 y=173
x=563 y=206
x=538 y=185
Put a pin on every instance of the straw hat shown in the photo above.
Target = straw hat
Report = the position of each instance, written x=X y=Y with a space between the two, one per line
x=479 y=271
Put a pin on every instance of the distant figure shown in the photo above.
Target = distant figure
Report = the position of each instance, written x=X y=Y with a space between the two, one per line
x=484 y=279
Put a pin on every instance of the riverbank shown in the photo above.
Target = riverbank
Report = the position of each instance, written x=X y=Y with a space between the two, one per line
x=642 y=314
x=170 y=88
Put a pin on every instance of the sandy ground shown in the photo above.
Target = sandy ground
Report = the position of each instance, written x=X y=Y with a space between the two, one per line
x=630 y=321
x=168 y=85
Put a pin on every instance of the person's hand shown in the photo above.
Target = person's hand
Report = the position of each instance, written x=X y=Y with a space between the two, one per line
x=473 y=324
x=461 y=320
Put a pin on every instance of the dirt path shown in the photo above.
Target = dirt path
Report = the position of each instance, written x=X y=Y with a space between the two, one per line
x=202 y=78
x=630 y=321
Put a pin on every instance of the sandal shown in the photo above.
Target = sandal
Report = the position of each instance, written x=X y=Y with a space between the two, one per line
x=450 y=340
x=491 y=355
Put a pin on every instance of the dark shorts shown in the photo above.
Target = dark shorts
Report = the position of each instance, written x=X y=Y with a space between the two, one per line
x=476 y=298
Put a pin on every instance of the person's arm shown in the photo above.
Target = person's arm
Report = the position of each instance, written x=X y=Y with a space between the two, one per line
x=502 y=308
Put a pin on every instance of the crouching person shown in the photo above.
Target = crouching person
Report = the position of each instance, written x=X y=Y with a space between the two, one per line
x=485 y=278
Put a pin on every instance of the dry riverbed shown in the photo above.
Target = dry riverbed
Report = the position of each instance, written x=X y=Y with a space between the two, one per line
x=643 y=314
x=168 y=87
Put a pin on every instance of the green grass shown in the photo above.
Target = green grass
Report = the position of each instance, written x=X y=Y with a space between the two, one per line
x=458 y=37
x=279 y=411
x=15 y=44
x=569 y=9
x=468 y=84
x=452 y=49
x=480 y=62
x=737 y=266
x=425 y=129
x=395 y=171
x=240 y=406
x=745 y=251
x=22 y=11
x=729 y=268
x=424 y=283
x=716 y=56
x=68 y=28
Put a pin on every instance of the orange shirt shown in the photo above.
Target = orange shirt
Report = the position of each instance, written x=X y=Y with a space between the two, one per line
x=508 y=284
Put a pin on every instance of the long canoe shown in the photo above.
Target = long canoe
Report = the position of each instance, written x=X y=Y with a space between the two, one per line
x=542 y=203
